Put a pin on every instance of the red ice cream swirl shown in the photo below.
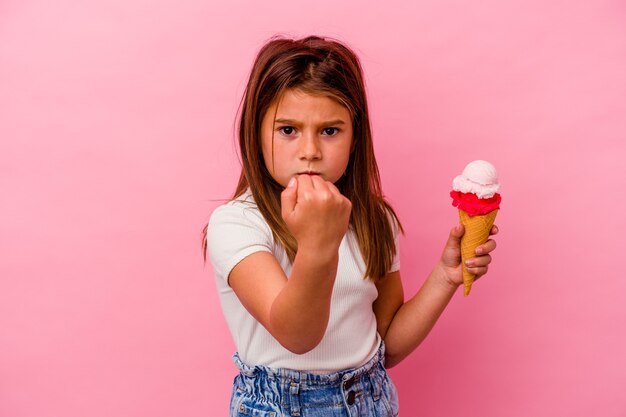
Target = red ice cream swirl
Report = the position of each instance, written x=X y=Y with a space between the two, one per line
x=474 y=206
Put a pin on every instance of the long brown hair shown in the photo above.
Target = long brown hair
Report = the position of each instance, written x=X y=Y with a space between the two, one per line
x=326 y=67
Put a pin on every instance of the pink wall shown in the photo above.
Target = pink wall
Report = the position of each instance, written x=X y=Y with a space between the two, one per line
x=116 y=128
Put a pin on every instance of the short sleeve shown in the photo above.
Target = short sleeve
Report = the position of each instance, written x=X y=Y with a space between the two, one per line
x=234 y=232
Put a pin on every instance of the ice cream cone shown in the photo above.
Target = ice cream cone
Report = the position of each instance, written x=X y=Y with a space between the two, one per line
x=477 y=230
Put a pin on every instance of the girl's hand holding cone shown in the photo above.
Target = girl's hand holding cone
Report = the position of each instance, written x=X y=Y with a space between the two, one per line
x=451 y=263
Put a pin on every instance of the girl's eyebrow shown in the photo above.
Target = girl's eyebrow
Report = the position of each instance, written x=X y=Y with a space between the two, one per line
x=295 y=122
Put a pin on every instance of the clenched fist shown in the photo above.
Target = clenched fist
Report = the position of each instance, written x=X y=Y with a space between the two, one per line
x=315 y=212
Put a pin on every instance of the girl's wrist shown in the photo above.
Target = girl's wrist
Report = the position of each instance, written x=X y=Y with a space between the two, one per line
x=440 y=275
x=319 y=251
x=318 y=255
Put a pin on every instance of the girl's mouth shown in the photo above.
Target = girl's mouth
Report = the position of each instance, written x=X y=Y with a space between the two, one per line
x=308 y=173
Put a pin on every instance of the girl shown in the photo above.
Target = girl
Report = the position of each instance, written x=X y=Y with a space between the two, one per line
x=306 y=253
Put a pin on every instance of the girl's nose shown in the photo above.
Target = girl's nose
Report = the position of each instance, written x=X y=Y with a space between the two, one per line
x=309 y=148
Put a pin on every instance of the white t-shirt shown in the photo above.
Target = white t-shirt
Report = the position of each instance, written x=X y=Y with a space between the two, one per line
x=236 y=230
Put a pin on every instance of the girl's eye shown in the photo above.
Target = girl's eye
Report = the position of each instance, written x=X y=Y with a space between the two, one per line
x=331 y=131
x=287 y=130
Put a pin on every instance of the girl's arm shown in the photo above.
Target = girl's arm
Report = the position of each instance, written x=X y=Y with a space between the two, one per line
x=403 y=326
x=296 y=310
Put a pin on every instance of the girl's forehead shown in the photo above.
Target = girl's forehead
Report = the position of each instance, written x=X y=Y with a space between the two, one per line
x=295 y=101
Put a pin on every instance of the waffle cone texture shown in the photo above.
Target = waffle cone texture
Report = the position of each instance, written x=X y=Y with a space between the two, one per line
x=477 y=230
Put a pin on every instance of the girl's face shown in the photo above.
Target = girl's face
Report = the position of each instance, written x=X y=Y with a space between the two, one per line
x=306 y=134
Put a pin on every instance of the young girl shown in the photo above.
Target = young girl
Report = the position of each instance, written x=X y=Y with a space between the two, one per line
x=306 y=253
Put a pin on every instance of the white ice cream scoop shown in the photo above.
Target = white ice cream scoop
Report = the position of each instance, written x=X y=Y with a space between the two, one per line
x=479 y=177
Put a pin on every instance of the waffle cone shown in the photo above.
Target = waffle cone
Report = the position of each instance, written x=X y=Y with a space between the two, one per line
x=477 y=230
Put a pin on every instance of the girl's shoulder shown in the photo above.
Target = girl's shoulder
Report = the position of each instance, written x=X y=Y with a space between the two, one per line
x=242 y=201
x=236 y=229
x=241 y=209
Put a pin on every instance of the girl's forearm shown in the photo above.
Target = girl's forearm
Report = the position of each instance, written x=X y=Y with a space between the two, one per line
x=416 y=318
x=299 y=314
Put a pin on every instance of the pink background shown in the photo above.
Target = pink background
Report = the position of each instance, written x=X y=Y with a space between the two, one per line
x=116 y=128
